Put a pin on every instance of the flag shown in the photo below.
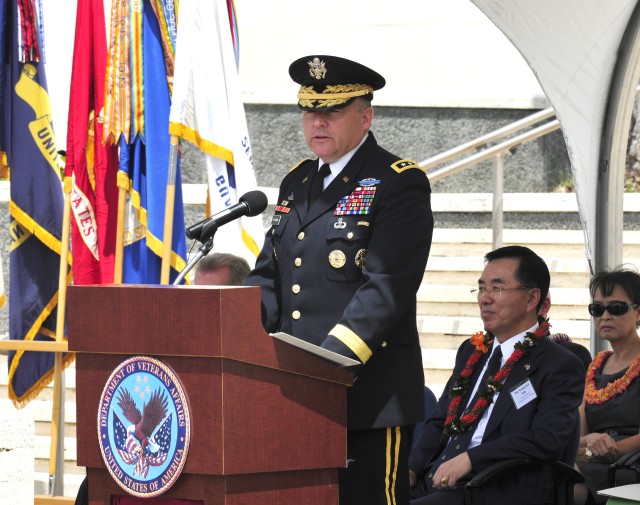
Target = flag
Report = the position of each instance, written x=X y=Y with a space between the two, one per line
x=91 y=166
x=36 y=201
x=144 y=157
x=207 y=110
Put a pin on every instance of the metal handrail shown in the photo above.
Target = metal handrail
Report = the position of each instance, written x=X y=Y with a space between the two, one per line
x=495 y=151
x=492 y=151
x=493 y=136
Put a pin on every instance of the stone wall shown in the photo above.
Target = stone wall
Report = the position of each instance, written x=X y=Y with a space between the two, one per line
x=416 y=133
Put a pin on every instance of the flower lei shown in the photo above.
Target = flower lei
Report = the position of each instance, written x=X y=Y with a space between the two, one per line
x=599 y=396
x=456 y=423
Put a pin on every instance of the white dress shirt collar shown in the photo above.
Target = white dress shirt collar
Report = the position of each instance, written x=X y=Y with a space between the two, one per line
x=337 y=166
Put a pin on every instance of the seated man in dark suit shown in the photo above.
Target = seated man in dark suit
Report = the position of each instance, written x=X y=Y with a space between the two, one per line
x=525 y=405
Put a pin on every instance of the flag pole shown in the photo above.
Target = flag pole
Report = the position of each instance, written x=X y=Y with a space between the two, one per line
x=167 y=248
x=119 y=252
x=57 y=416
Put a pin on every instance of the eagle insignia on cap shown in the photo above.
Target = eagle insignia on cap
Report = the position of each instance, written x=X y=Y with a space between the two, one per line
x=317 y=68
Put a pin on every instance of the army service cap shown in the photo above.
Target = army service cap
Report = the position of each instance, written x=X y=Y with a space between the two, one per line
x=331 y=82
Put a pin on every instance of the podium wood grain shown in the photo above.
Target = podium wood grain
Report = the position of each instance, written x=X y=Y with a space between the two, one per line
x=268 y=420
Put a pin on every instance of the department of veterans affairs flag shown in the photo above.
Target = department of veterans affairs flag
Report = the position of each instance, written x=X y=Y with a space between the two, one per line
x=207 y=110
x=91 y=166
x=36 y=204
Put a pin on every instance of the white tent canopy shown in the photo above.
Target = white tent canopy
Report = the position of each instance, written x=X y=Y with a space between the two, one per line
x=584 y=54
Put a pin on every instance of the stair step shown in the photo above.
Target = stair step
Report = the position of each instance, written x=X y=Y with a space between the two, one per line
x=466 y=326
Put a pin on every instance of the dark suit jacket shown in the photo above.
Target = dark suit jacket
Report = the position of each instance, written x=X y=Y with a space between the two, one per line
x=367 y=292
x=544 y=429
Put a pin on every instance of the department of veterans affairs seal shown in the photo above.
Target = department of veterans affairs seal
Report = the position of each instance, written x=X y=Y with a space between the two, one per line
x=144 y=426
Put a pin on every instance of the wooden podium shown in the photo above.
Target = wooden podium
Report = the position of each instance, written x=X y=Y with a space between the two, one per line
x=268 y=420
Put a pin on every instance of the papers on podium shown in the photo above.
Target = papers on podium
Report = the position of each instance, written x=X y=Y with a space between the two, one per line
x=623 y=494
x=334 y=357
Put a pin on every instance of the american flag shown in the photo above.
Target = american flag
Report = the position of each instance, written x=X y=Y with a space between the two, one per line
x=161 y=438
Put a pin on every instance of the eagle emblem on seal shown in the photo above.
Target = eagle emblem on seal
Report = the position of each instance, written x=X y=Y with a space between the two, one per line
x=141 y=443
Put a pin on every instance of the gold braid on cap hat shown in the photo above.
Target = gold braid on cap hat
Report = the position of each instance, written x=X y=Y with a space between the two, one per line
x=332 y=95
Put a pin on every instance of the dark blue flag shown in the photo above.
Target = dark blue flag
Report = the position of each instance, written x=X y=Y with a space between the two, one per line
x=36 y=205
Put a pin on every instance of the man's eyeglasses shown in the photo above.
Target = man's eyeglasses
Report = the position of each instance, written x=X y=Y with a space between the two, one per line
x=495 y=291
x=614 y=308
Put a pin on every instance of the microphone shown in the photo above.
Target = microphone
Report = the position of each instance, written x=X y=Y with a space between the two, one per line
x=251 y=204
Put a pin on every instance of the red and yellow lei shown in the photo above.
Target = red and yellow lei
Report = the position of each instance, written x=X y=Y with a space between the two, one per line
x=456 y=423
x=592 y=395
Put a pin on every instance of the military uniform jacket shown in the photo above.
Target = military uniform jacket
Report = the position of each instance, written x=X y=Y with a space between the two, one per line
x=343 y=274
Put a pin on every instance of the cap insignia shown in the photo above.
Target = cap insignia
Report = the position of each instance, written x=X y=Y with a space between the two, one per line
x=317 y=69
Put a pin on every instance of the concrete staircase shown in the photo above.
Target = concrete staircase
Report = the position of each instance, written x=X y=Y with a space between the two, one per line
x=448 y=314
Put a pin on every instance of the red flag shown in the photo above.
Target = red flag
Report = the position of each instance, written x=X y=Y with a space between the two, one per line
x=91 y=167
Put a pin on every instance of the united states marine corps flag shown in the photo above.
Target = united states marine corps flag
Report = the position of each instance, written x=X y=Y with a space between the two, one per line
x=91 y=166
x=36 y=204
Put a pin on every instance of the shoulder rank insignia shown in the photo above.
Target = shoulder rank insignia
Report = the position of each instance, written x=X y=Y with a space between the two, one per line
x=402 y=165
x=300 y=163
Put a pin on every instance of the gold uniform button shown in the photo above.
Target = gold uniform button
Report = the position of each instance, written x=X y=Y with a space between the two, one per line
x=384 y=344
x=296 y=314
x=301 y=235
x=295 y=288
x=350 y=235
x=297 y=262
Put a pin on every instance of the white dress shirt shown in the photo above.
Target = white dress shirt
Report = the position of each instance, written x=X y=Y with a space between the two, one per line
x=508 y=346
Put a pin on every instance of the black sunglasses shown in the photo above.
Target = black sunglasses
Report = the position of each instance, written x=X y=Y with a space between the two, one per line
x=614 y=308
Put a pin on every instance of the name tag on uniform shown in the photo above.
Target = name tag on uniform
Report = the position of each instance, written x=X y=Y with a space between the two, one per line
x=523 y=393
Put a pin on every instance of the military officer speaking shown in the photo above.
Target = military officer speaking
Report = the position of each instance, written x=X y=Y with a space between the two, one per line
x=341 y=266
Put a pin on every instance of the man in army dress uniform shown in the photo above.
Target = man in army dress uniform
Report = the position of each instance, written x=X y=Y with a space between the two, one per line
x=341 y=269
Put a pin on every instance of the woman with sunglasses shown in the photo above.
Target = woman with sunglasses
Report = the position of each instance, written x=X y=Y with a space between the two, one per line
x=610 y=412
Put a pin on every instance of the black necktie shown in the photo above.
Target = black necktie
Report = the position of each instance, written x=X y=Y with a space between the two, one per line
x=460 y=443
x=492 y=368
x=318 y=182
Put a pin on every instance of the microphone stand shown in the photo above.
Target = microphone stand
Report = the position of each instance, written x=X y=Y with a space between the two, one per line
x=206 y=239
x=202 y=252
